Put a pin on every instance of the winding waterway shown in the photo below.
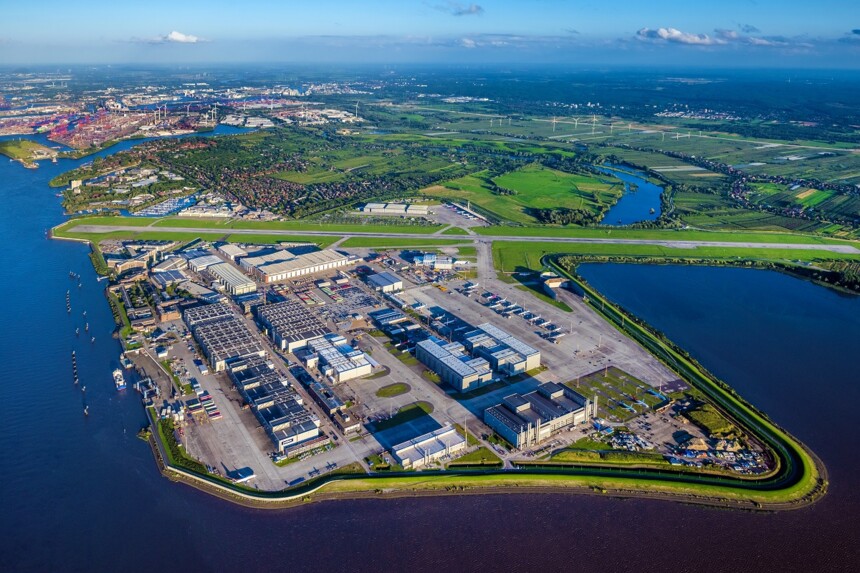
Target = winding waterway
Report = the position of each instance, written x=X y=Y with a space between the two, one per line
x=641 y=199
x=83 y=493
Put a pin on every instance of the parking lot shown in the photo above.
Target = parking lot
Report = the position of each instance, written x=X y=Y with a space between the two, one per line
x=576 y=354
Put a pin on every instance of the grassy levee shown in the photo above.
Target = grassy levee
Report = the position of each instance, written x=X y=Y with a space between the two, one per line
x=583 y=479
x=798 y=477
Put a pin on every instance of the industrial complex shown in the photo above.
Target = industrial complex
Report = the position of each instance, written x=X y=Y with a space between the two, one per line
x=385 y=364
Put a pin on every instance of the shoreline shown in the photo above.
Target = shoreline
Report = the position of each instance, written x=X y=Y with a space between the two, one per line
x=419 y=486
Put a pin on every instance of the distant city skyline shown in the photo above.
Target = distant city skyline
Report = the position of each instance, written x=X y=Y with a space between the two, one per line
x=824 y=34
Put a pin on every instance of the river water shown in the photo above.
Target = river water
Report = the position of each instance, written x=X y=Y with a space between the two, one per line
x=641 y=199
x=83 y=493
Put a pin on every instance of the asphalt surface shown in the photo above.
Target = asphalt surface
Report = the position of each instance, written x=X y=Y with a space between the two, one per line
x=845 y=249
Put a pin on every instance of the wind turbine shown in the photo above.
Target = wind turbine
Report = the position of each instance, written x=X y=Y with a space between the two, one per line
x=576 y=123
x=554 y=121
x=593 y=123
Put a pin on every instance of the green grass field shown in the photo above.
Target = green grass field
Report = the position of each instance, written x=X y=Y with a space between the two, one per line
x=535 y=187
x=483 y=457
x=545 y=188
x=23 y=150
x=292 y=226
x=518 y=257
x=228 y=225
x=67 y=230
x=395 y=242
x=662 y=234
x=392 y=390
x=255 y=239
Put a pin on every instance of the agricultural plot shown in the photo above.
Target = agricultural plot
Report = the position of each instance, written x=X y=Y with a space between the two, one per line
x=792 y=196
x=688 y=202
x=801 y=159
x=743 y=219
x=671 y=168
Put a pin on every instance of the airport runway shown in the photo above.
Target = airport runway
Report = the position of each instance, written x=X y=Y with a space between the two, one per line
x=845 y=249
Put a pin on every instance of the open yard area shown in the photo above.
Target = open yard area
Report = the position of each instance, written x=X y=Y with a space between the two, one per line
x=620 y=396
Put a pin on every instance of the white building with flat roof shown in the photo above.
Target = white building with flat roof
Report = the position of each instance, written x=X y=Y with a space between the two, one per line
x=202 y=263
x=385 y=282
x=232 y=252
x=428 y=448
x=282 y=265
x=233 y=280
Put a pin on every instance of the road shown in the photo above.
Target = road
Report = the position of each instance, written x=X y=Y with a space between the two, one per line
x=844 y=249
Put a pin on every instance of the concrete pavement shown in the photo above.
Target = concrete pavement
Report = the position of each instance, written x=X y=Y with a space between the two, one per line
x=845 y=249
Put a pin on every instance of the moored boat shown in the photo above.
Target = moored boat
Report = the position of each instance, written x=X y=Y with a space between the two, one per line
x=119 y=379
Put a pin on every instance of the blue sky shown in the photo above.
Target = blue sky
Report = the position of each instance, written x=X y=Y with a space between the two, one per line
x=824 y=33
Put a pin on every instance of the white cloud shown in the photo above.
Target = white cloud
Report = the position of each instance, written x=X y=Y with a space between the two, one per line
x=173 y=37
x=721 y=37
x=677 y=36
x=181 y=38
x=468 y=43
x=727 y=34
